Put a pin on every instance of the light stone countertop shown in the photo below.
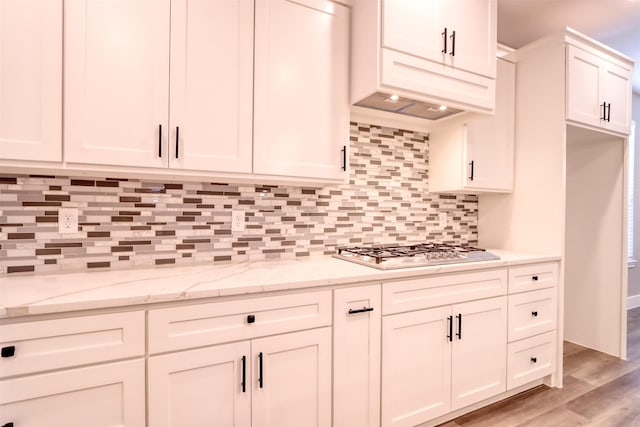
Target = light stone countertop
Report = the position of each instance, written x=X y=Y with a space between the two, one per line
x=40 y=294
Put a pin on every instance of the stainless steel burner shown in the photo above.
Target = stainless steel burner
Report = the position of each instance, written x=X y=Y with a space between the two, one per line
x=420 y=254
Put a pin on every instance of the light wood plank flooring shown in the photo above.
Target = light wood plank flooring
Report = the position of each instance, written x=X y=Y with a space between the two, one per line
x=599 y=390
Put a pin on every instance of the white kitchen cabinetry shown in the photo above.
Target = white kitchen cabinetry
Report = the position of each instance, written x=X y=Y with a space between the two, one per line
x=356 y=356
x=440 y=52
x=598 y=90
x=267 y=381
x=301 y=103
x=477 y=154
x=437 y=360
x=104 y=394
x=533 y=311
x=117 y=68
x=31 y=80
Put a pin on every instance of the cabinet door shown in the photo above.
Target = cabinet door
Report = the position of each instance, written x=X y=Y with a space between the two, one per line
x=356 y=357
x=415 y=28
x=301 y=105
x=583 y=87
x=416 y=367
x=617 y=95
x=201 y=387
x=479 y=351
x=102 y=395
x=31 y=80
x=211 y=85
x=490 y=141
x=472 y=46
x=116 y=82
x=292 y=379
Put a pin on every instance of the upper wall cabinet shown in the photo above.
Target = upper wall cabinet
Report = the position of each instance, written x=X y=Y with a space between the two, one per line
x=117 y=84
x=31 y=80
x=432 y=51
x=477 y=155
x=301 y=96
x=598 y=90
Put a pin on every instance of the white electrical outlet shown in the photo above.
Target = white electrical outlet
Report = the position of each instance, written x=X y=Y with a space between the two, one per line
x=67 y=220
x=237 y=221
x=442 y=219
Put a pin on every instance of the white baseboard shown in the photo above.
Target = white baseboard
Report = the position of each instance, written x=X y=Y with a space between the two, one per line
x=633 y=301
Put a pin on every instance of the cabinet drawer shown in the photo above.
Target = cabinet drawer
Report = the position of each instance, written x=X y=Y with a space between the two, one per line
x=110 y=394
x=530 y=359
x=533 y=277
x=532 y=313
x=425 y=292
x=52 y=344
x=205 y=324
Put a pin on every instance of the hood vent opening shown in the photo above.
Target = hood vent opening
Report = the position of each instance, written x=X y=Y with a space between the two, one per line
x=406 y=106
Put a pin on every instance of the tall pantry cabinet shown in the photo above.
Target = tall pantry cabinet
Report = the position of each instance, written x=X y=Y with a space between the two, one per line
x=31 y=80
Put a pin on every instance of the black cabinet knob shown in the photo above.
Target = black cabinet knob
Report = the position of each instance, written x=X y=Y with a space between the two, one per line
x=7 y=425
x=534 y=314
x=534 y=278
x=8 y=351
x=534 y=360
x=251 y=318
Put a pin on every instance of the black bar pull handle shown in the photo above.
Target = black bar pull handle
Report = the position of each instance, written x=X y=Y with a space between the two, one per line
x=159 y=140
x=177 y=141
x=459 y=333
x=260 y=373
x=534 y=314
x=360 y=310
x=444 y=38
x=472 y=164
x=604 y=111
x=450 y=334
x=344 y=157
x=244 y=374
x=609 y=113
x=534 y=360
x=8 y=351
x=453 y=43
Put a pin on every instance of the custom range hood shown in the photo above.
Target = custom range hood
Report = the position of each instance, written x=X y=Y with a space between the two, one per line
x=407 y=107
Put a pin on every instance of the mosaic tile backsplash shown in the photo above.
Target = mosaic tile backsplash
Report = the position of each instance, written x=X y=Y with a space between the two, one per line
x=127 y=223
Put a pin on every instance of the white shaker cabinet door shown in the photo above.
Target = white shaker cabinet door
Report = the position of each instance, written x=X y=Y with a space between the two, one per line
x=617 y=95
x=105 y=395
x=116 y=82
x=292 y=379
x=211 y=85
x=479 y=357
x=584 y=89
x=31 y=80
x=416 y=367
x=204 y=387
x=356 y=356
x=301 y=104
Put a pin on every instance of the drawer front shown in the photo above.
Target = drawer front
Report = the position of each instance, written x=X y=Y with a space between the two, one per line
x=530 y=359
x=52 y=344
x=205 y=324
x=533 y=277
x=110 y=394
x=532 y=313
x=416 y=294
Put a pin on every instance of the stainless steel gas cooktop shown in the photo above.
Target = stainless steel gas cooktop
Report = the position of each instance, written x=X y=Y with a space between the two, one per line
x=420 y=254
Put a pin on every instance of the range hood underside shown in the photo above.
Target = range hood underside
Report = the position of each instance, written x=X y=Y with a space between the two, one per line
x=406 y=106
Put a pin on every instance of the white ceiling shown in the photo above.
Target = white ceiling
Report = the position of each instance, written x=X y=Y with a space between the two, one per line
x=615 y=23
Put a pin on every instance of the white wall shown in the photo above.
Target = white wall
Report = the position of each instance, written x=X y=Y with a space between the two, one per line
x=634 y=273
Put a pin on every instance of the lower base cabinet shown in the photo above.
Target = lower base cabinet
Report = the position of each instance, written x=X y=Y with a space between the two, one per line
x=438 y=360
x=110 y=394
x=278 y=381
